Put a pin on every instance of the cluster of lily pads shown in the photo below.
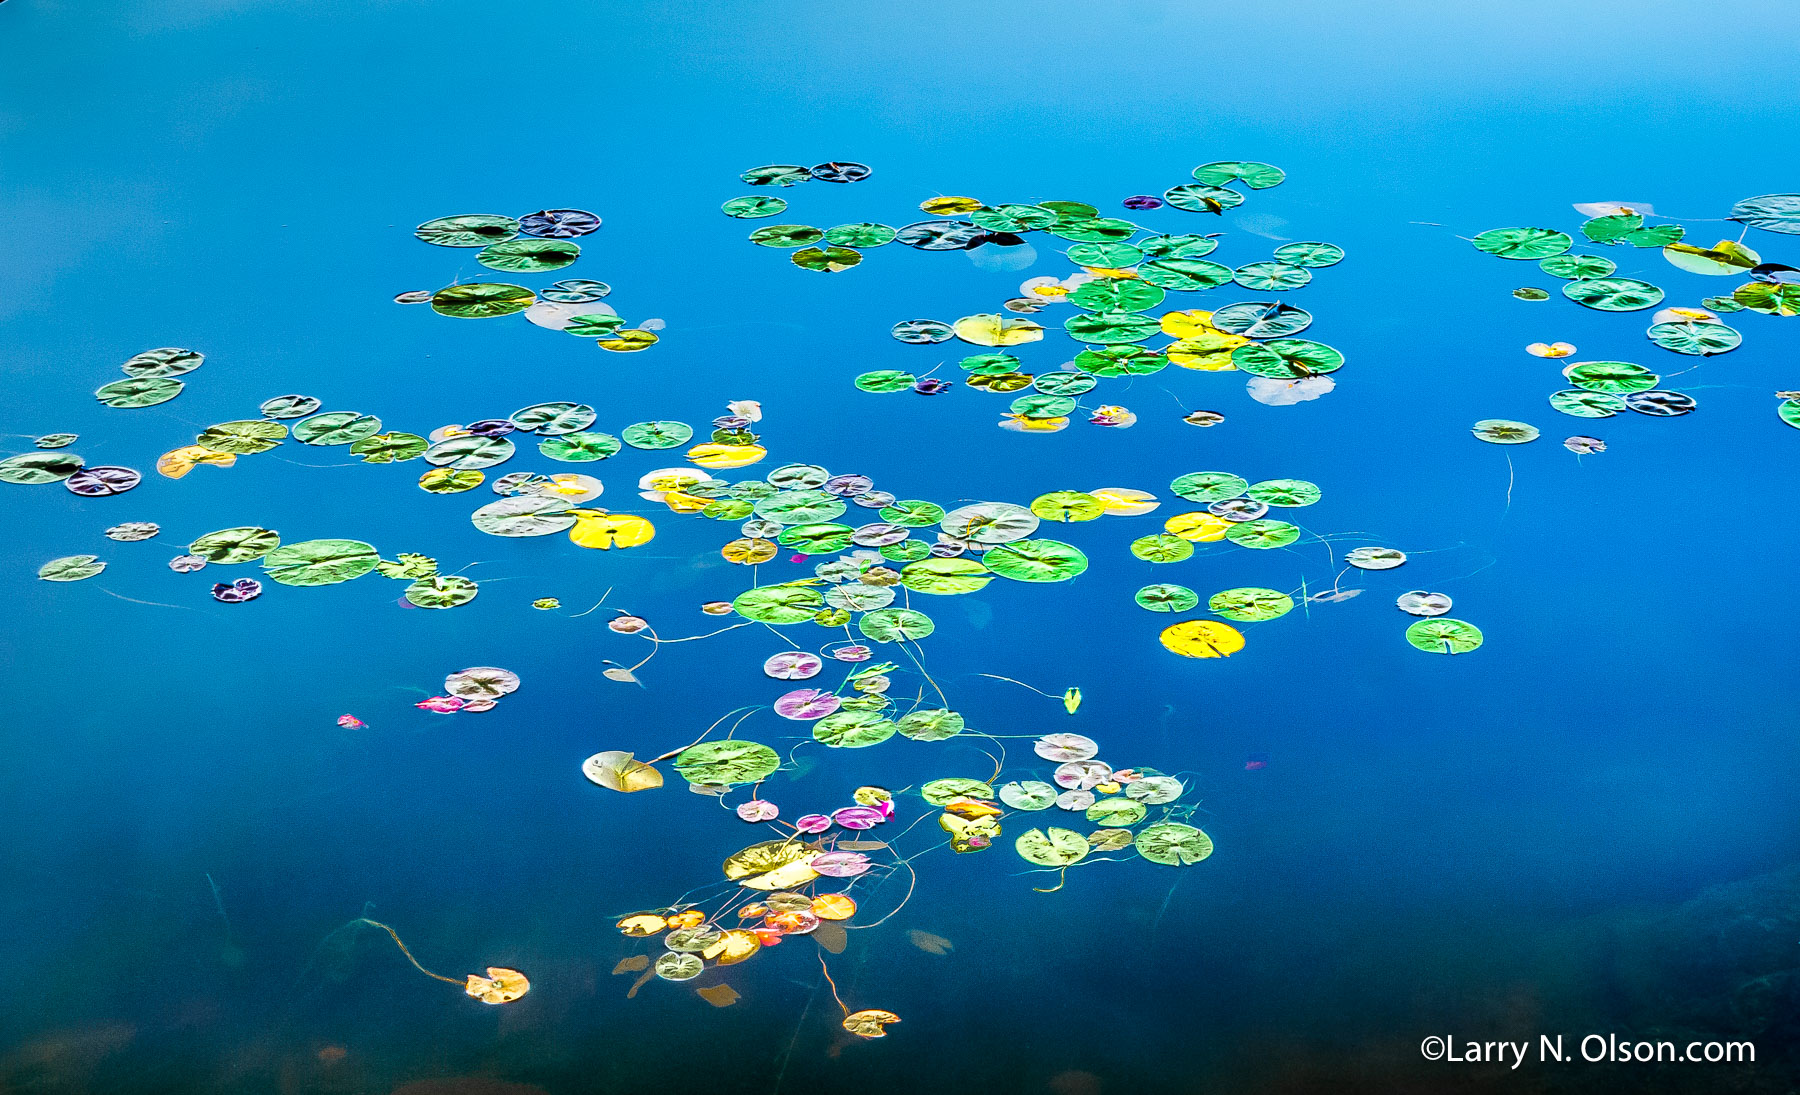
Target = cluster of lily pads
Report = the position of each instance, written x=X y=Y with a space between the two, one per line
x=701 y=937
x=1122 y=278
x=538 y=243
x=1601 y=389
x=478 y=688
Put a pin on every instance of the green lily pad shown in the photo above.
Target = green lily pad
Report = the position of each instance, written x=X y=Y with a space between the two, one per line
x=35 y=468
x=528 y=256
x=481 y=300
x=1503 y=431
x=319 y=562
x=725 y=763
x=818 y=538
x=1287 y=358
x=1110 y=328
x=1014 y=218
x=1289 y=493
x=252 y=435
x=579 y=448
x=1116 y=812
x=1770 y=300
x=797 y=507
x=930 y=725
x=888 y=625
x=1257 y=176
x=553 y=419
x=657 y=435
x=940 y=792
x=469 y=452
x=1271 y=276
x=1444 y=636
x=1615 y=377
x=786 y=235
x=1056 y=848
x=864 y=234
x=1206 y=487
x=336 y=428
x=778 y=604
x=1523 y=243
x=138 y=392
x=1613 y=294
x=1250 y=604
x=1173 y=844
x=235 y=545
x=826 y=260
x=167 y=361
x=1030 y=794
x=1108 y=256
x=1585 y=404
x=1575 y=267
x=753 y=207
x=1036 y=561
x=1184 y=274
x=912 y=513
x=1310 y=253
x=1263 y=534
x=853 y=729
x=885 y=381
x=1116 y=295
x=1699 y=339
x=1161 y=548
x=468 y=230
x=1166 y=597
x=389 y=448
x=945 y=576
x=441 y=591
x=1202 y=198
x=71 y=568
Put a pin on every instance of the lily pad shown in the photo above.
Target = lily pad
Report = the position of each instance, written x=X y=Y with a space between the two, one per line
x=1444 y=636
x=318 y=562
x=1173 y=844
x=724 y=763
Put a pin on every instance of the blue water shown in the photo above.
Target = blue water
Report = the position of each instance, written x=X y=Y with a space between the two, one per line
x=1587 y=825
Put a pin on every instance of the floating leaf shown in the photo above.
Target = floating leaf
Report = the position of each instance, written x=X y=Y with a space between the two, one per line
x=1036 y=561
x=481 y=300
x=138 y=392
x=242 y=438
x=1770 y=212
x=1164 y=597
x=1173 y=844
x=337 y=428
x=437 y=591
x=870 y=1022
x=236 y=545
x=892 y=624
x=1444 y=636
x=726 y=762
x=1613 y=294
x=317 y=562
x=1250 y=604
x=1202 y=639
x=1502 y=431
x=619 y=771
x=1055 y=848
x=1522 y=243
x=772 y=865
x=500 y=986
x=71 y=568
x=36 y=468
x=940 y=792
x=1700 y=339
